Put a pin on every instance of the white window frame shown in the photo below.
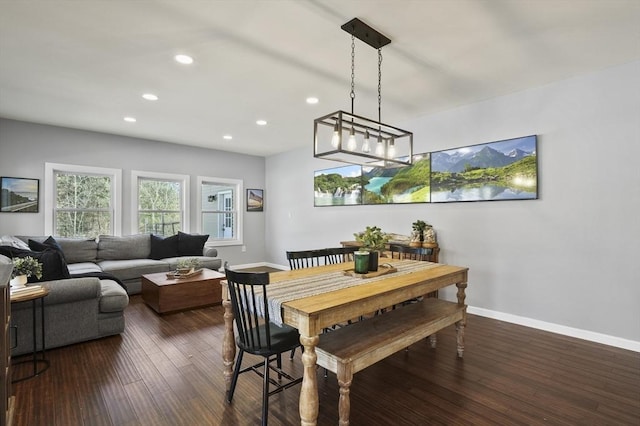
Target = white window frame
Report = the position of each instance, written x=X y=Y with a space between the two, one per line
x=184 y=182
x=238 y=184
x=50 y=170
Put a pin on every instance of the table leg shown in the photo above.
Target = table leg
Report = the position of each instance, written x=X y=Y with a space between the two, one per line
x=228 y=343
x=345 y=377
x=309 y=390
x=460 y=325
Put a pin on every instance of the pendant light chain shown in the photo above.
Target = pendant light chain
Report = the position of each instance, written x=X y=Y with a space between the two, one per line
x=353 y=71
x=379 y=85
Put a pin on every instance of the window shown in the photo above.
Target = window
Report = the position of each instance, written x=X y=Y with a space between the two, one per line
x=81 y=201
x=220 y=206
x=161 y=201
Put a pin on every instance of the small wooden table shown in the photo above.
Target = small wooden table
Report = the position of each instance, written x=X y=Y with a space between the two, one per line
x=164 y=294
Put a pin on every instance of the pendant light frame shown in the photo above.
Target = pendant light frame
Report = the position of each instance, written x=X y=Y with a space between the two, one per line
x=332 y=131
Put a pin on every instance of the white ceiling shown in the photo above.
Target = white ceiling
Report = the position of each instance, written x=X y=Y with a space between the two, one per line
x=85 y=64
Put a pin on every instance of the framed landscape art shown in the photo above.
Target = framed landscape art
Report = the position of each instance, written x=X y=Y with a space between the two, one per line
x=19 y=195
x=502 y=170
x=255 y=200
x=398 y=185
x=339 y=186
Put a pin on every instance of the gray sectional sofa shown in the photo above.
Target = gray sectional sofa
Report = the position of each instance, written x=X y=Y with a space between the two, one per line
x=81 y=309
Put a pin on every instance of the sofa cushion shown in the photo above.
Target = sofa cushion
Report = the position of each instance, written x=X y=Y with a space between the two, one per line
x=212 y=263
x=83 y=268
x=190 y=244
x=125 y=247
x=133 y=268
x=113 y=298
x=78 y=250
x=163 y=247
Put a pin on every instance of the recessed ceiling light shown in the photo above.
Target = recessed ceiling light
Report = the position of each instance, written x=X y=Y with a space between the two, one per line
x=130 y=119
x=261 y=122
x=184 y=59
x=312 y=100
x=227 y=137
x=150 y=97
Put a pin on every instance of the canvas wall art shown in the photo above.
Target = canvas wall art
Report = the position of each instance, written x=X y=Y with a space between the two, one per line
x=19 y=195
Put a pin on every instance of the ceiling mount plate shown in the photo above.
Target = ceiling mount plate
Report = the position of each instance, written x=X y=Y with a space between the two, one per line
x=363 y=32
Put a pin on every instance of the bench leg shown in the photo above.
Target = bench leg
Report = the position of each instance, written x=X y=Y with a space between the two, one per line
x=345 y=377
x=460 y=337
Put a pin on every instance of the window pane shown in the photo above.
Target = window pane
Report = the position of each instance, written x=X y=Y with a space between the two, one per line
x=159 y=223
x=159 y=204
x=219 y=226
x=82 y=223
x=83 y=205
x=216 y=197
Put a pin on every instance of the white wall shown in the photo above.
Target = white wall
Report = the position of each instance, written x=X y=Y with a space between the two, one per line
x=570 y=259
x=25 y=147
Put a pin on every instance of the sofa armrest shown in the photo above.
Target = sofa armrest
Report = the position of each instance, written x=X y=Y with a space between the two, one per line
x=71 y=290
x=210 y=252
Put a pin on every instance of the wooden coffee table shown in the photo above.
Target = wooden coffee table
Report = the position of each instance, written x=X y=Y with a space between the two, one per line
x=165 y=294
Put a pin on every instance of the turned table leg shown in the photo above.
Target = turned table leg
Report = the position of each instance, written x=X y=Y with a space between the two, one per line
x=228 y=343
x=345 y=377
x=309 y=390
x=460 y=325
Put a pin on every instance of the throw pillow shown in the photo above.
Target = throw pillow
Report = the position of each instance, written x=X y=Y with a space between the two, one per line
x=162 y=248
x=53 y=265
x=191 y=245
x=50 y=243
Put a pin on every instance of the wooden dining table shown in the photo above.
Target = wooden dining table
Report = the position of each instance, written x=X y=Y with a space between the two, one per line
x=311 y=314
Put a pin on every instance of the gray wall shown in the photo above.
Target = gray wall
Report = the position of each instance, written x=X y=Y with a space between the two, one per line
x=570 y=259
x=25 y=147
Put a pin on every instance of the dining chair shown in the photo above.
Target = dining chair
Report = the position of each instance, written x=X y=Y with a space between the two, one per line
x=339 y=254
x=412 y=253
x=305 y=258
x=257 y=335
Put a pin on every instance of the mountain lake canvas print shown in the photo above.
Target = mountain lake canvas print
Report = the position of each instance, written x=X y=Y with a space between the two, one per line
x=398 y=185
x=503 y=170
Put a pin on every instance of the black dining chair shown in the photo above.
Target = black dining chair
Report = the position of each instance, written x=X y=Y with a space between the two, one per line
x=305 y=258
x=257 y=335
x=407 y=252
x=339 y=254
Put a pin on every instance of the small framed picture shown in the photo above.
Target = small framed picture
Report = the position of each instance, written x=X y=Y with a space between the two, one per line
x=19 y=195
x=255 y=200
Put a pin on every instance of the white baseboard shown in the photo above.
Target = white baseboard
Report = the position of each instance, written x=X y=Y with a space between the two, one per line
x=559 y=329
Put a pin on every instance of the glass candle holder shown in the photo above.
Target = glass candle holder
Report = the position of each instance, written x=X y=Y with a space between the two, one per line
x=361 y=260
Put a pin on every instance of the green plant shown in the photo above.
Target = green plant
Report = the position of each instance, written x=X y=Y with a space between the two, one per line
x=420 y=225
x=189 y=263
x=26 y=266
x=372 y=238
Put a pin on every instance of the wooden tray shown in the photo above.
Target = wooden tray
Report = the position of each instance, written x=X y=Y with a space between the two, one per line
x=382 y=270
x=177 y=275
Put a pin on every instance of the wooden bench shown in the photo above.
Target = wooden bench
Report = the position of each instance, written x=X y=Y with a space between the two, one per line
x=347 y=350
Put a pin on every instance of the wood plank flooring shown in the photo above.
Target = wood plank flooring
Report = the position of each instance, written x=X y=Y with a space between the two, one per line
x=168 y=371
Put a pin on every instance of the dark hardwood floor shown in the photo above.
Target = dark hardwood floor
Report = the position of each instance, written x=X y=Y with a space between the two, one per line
x=168 y=371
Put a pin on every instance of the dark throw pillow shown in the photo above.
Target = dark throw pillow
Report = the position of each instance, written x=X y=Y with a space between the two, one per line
x=53 y=265
x=191 y=245
x=162 y=248
x=50 y=242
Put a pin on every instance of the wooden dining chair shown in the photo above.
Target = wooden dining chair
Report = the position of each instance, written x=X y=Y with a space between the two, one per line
x=259 y=336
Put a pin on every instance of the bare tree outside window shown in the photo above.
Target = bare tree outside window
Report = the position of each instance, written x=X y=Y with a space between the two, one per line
x=159 y=210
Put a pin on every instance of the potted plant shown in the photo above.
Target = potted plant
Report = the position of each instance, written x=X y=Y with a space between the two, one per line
x=187 y=265
x=374 y=241
x=23 y=268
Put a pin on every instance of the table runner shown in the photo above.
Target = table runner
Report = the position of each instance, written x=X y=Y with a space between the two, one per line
x=298 y=288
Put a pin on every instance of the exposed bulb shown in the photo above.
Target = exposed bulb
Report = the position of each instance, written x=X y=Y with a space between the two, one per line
x=365 y=145
x=391 y=153
x=335 y=139
x=379 y=147
x=352 y=144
